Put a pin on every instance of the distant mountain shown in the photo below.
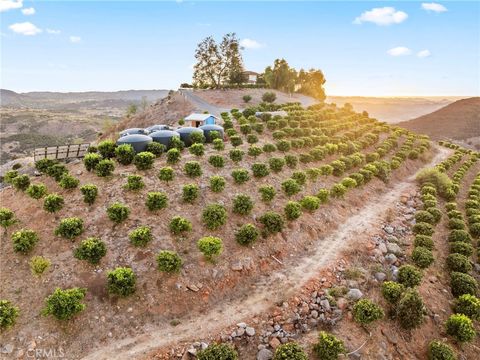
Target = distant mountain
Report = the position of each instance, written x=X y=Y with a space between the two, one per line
x=459 y=121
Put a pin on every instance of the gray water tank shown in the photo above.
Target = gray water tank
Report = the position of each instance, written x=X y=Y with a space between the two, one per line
x=157 y=127
x=207 y=129
x=164 y=136
x=132 y=131
x=185 y=133
x=139 y=142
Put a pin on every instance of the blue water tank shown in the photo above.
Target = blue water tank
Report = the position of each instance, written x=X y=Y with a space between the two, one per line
x=139 y=142
x=157 y=127
x=207 y=129
x=133 y=131
x=185 y=133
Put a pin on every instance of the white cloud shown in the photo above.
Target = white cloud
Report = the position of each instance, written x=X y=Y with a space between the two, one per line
x=28 y=11
x=6 y=5
x=424 y=53
x=75 y=39
x=250 y=44
x=382 y=16
x=52 y=31
x=25 y=28
x=438 y=8
x=399 y=51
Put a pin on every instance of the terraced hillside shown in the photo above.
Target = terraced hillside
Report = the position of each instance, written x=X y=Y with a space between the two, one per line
x=171 y=246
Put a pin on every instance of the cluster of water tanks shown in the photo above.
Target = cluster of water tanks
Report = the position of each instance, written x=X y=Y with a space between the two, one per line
x=140 y=138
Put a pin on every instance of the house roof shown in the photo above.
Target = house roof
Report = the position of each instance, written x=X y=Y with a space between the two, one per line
x=250 y=73
x=199 y=117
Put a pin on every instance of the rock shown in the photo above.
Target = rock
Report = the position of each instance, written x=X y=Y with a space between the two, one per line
x=383 y=248
x=391 y=259
x=380 y=276
x=240 y=331
x=392 y=238
x=277 y=327
x=342 y=303
x=250 y=331
x=325 y=304
x=193 y=287
x=79 y=172
x=242 y=325
x=354 y=294
x=394 y=248
x=389 y=229
x=314 y=314
x=274 y=343
x=264 y=354
x=192 y=351
x=7 y=349
x=237 y=266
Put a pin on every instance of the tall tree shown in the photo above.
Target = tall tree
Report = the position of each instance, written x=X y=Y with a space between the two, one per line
x=281 y=76
x=311 y=83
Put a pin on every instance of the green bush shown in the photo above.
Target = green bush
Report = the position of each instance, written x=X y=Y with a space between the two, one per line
x=53 y=203
x=21 y=182
x=392 y=291
x=290 y=351
x=475 y=229
x=463 y=248
x=253 y=150
x=276 y=164
x=436 y=214
x=65 y=304
x=56 y=171
x=422 y=257
x=236 y=140
x=69 y=227
x=260 y=170
x=440 y=180
x=121 y=281
x=42 y=165
x=242 y=204
x=190 y=193
x=214 y=216
x=144 y=160
x=105 y=168
x=267 y=193
x=461 y=284
x=217 y=183
x=291 y=161
x=423 y=241
x=179 y=225
x=217 y=161
x=156 y=200
x=438 y=350
x=236 y=155
x=469 y=305
x=410 y=310
x=272 y=223
x=156 y=148
x=423 y=228
x=338 y=191
x=409 y=276
x=90 y=161
x=348 y=183
x=197 y=149
x=169 y=261
x=173 y=156
x=117 y=212
x=218 y=144
x=37 y=191
x=107 y=149
x=7 y=218
x=134 y=182
x=218 y=352
x=166 y=174
x=456 y=224
x=197 y=137
x=293 y=210
x=291 y=187
x=460 y=327
x=9 y=176
x=424 y=216
x=68 y=182
x=192 y=169
x=458 y=263
x=459 y=235
x=310 y=203
x=125 y=154
x=24 y=240
x=89 y=192
x=247 y=234
x=269 y=148
x=8 y=314
x=366 y=312
x=176 y=143
x=141 y=236
x=91 y=249
x=240 y=176
x=328 y=347
x=210 y=247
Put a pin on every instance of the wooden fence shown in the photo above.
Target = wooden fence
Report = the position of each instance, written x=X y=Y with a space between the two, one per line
x=70 y=151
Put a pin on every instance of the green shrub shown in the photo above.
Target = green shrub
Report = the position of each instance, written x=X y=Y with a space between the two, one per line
x=454 y=214
x=179 y=225
x=267 y=193
x=42 y=165
x=176 y=143
x=91 y=249
x=197 y=149
x=65 y=304
x=461 y=284
x=242 y=204
x=236 y=155
x=173 y=156
x=460 y=327
x=192 y=169
x=260 y=170
x=290 y=351
x=7 y=218
x=210 y=247
x=366 y=312
x=156 y=200
x=463 y=248
x=214 y=216
x=293 y=210
x=291 y=187
x=458 y=263
x=155 y=148
x=468 y=305
x=269 y=148
x=283 y=145
x=440 y=180
x=190 y=193
x=90 y=161
x=276 y=164
x=456 y=224
x=53 y=203
x=236 y=140
x=423 y=241
x=459 y=235
x=392 y=291
x=89 y=193
x=69 y=227
x=475 y=229
x=121 y=281
x=338 y=191
x=117 y=212
x=141 y=236
x=218 y=144
x=9 y=176
x=348 y=183
x=37 y=191
x=424 y=216
x=247 y=234
x=253 y=150
x=410 y=310
x=240 y=176
x=24 y=240
x=217 y=183
x=291 y=161
x=134 y=182
x=423 y=228
x=197 y=137
x=56 y=171
x=436 y=214
x=21 y=182
x=105 y=168
x=107 y=149
x=217 y=352
x=125 y=154
x=438 y=350
x=422 y=257
x=272 y=223
x=409 y=276
x=144 y=160
x=69 y=182
x=169 y=261
x=300 y=177
x=451 y=206
x=166 y=174
x=8 y=314
x=217 y=161
x=328 y=347
x=310 y=203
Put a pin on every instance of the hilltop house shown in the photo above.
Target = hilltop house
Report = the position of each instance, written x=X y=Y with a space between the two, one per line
x=250 y=77
x=196 y=119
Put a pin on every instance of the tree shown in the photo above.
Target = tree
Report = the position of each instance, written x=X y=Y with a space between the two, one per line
x=132 y=109
x=281 y=76
x=311 y=83
x=218 y=63
x=143 y=103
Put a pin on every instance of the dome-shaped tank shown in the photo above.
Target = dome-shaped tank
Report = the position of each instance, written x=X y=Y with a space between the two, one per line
x=207 y=129
x=157 y=127
x=132 y=131
x=139 y=142
x=185 y=133
x=164 y=136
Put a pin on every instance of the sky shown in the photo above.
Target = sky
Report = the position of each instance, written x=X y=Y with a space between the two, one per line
x=380 y=48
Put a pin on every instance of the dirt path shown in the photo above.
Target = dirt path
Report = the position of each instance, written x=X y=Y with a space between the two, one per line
x=200 y=104
x=279 y=285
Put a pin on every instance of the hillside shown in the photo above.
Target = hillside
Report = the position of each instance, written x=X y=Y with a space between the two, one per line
x=459 y=121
